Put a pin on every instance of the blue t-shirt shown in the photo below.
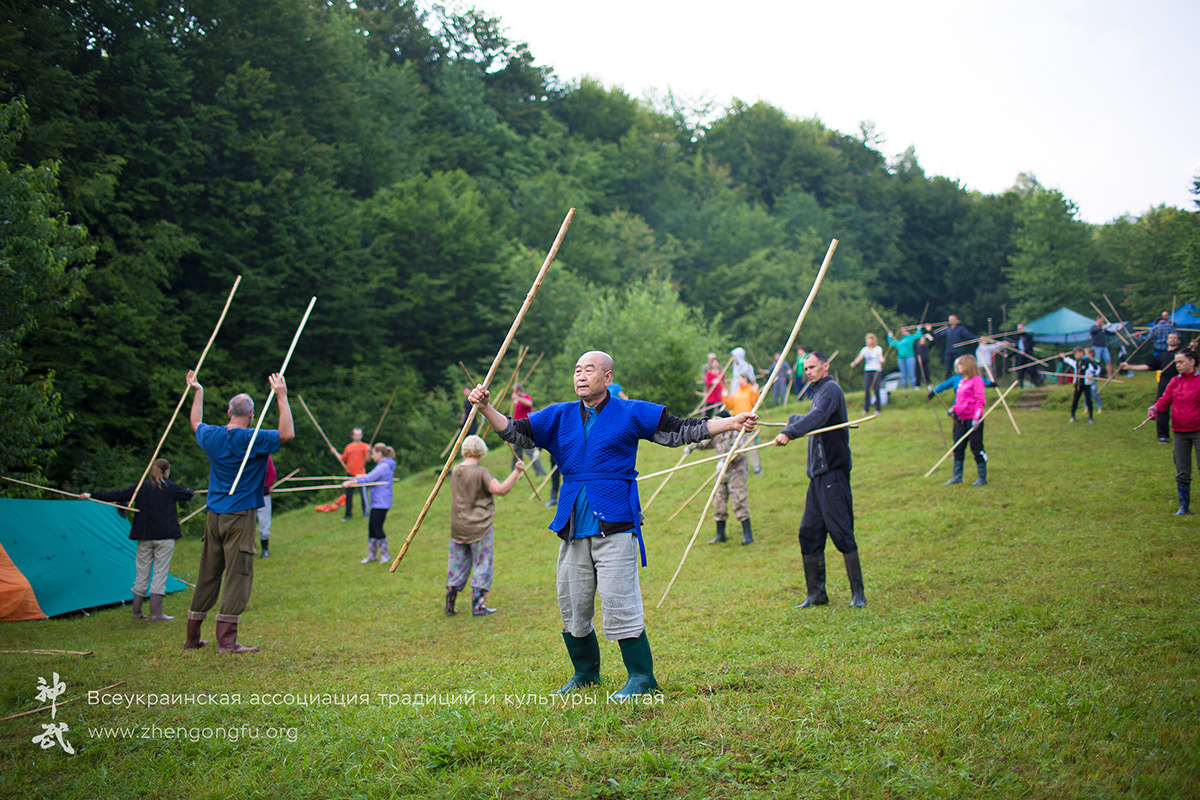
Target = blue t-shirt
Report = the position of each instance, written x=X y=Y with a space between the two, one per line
x=225 y=448
x=614 y=389
x=586 y=522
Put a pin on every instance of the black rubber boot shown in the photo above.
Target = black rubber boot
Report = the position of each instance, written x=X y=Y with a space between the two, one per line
x=194 y=621
x=451 y=596
x=720 y=537
x=585 y=657
x=858 y=598
x=1185 y=498
x=137 y=606
x=957 y=476
x=981 y=468
x=640 y=664
x=747 y=536
x=814 y=580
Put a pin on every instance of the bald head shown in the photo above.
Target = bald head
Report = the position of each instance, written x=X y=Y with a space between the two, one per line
x=593 y=373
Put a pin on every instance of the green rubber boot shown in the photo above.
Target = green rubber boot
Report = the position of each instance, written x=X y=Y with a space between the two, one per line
x=640 y=664
x=585 y=656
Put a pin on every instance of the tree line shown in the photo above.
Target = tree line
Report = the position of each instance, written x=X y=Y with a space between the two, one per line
x=409 y=166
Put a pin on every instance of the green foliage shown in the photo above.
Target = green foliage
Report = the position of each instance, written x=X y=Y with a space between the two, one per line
x=43 y=258
x=1054 y=258
x=621 y=324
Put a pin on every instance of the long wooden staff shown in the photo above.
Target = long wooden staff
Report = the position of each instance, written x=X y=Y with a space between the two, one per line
x=886 y=330
x=282 y=370
x=512 y=449
x=1124 y=337
x=1104 y=318
x=666 y=480
x=529 y=374
x=317 y=425
x=992 y=378
x=545 y=480
x=504 y=392
x=688 y=502
x=968 y=433
x=787 y=348
x=68 y=494
x=854 y=423
x=704 y=401
x=382 y=418
x=462 y=434
x=279 y=482
x=330 y=486
x=186 y=389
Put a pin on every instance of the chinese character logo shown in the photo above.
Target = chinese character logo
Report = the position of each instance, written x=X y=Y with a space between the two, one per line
x=52 y=732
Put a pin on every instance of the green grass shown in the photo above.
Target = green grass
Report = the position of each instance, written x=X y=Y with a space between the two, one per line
x=1034 y=638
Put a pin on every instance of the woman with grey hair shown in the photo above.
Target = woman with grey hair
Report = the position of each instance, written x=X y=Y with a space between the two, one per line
x=471 y=513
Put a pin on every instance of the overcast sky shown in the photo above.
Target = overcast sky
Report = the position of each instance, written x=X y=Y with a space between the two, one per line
x=1098 y=99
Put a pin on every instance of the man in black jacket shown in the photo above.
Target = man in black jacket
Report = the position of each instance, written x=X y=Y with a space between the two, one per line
x=951 y=338
x=1025 y=361
x=829 y=506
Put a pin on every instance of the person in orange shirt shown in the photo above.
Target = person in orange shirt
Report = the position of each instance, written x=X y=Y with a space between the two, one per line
x=740 y=400
x=355 y=459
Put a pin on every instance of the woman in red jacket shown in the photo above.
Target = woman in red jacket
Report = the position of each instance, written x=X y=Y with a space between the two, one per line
x=1182 y=397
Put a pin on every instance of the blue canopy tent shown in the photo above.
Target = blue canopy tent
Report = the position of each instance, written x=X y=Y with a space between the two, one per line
x=1187 y=316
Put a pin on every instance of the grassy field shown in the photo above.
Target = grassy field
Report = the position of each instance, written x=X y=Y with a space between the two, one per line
x=1037 y=637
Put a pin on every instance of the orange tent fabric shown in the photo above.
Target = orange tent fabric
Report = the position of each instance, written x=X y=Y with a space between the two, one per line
x=17 y=601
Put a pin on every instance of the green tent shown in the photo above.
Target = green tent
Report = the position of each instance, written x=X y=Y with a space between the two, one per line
x=1062 y=327
x=72 y=554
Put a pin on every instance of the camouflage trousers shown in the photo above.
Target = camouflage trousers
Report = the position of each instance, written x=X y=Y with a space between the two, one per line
x=733 y=488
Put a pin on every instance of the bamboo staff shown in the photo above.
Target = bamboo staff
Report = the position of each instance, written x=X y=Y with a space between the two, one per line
x=282 y=370
x=68 y=494
x=381 y=418
x=279 y=482
x=60 y=703
x=666 y=480
x=704 y=402
x=529 y=374
x=787 y=348
x=329 y=486
x=186 y=389
x=504 y=392
x=963 y=438
x=854 y=423
x=511 y=448
x=317 y=425
x=1140 y=424
x=989 y=336
x=512 y=331
x=886 y=330
x=1107 y=321
x=1077 y=376
x=992 y=378
x=545 y=480
x=687 y=502
x=1121 y=325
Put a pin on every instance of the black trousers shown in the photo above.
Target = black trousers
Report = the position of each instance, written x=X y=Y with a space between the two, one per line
x=375 y=524
x=871 y=384
x=828 y=510
x=1081 y=389
x=961 y=426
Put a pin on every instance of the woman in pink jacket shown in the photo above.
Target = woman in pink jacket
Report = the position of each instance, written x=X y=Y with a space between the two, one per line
x=967 y=411
x=1182 y=397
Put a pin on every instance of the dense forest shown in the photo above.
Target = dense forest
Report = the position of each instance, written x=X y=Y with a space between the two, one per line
x=409 y=166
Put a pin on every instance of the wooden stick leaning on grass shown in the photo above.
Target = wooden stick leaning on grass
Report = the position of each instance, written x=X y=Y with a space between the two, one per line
x=462 y=434
x=787 y=348
x=688 y=502
x=74 y=495
x=183 y=397
x=511 y=449
x=382 y=417
x=282 y=372
x=1002 y=400
x=963 y=438
x=60 y=703
x=317 y=425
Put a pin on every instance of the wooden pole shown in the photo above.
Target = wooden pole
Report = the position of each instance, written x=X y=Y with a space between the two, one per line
x=665 y=480
x=317 y=425
x=687 y=502
x=787 y=348
x=486 y=429
x=992 y=378
x=1140 y=424
x=266 y=403
x=74 y=495
x=383 y=416
x=1120 y=330
x=854 y=423
x=531 y=369
x=989 y=336
x=511 y=448
x=512 y=331
x=545 y=480
x=183 y=397
x=328 y=486
x=968 y=433
x=704 y=395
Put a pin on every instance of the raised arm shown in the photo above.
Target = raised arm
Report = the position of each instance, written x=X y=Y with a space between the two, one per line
x=496 y=487
x=287 y=430
x=197 y=414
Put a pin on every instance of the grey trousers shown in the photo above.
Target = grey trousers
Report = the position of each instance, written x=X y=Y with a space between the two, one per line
x=608 y=564
x=156 y=553
x=1183 y=446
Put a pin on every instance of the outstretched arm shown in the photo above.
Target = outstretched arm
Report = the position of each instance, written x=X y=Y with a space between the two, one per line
x=197 y=413
x=287 y=430
x=496 y=487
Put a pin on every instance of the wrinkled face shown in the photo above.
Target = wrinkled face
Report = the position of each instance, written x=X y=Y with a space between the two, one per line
x=815 y=370
x=593 y=373
x=1184 y=364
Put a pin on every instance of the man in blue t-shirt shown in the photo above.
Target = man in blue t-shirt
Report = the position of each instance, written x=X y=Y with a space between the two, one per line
x=229 y=529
